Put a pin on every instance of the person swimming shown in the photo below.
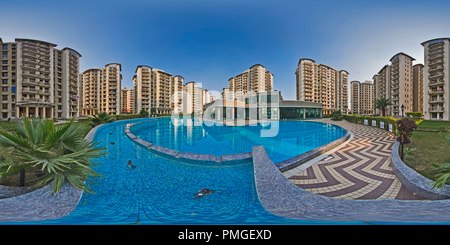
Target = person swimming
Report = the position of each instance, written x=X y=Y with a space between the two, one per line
x=130 y=165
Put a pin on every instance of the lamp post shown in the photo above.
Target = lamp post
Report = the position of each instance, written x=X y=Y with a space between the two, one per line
x=403 y=108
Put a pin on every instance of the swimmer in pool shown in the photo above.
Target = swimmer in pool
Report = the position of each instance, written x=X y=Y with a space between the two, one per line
x=130 y=165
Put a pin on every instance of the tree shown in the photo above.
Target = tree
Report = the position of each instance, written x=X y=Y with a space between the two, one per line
x=337 y=116
x=143 y=113
x=405 y=127
x=56 y=152
x=102 y=118
x=382 y=103
x=153 y=110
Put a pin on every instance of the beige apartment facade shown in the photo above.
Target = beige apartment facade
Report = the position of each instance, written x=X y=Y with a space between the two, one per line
x=155 y=88
x=436 y=75
x=362 y=97
x=127 y=100
x=401 y=84
x=256 y=79
x=418 y=88
x=101 y=90
x=38 y=80
x=322 y=83
x=382 y=87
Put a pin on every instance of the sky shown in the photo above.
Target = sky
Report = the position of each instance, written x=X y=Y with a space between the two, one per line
x=210 y=41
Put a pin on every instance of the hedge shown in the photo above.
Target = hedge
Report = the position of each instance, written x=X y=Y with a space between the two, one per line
x=360 y=120
x=126 y=116
x=414 y=114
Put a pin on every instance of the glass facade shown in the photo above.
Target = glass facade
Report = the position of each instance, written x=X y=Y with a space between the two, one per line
x=300 y=113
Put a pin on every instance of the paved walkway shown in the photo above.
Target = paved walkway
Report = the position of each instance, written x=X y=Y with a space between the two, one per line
x=358 y=170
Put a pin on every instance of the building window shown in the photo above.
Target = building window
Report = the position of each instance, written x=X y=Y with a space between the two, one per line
x=5 y=89
x=4 y=68
x=4 y=106
x=4 y=74
x=5 y=97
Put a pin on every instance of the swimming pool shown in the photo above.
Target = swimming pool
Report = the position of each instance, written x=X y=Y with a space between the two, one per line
x=163 y=191
x=292 y=138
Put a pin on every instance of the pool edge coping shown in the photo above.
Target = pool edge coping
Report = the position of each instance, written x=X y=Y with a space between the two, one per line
x=185 y=155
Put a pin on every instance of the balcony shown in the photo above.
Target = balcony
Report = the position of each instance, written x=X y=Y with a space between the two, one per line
x=435 y=46
x=435 y=56
x=437 y=68
x=436 y=109
x=45 y=92
x=436 y=91
x=436 y=62
x=436 y=83
x=436 y=100
x=436 y=75
x=29 y=90
x=30 y=82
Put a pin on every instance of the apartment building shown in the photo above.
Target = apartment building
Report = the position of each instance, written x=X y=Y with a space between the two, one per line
x=38 y=80
x=127 y=100
x=362 y=97
x=322 y=83
x=206 y=97
x=401 y=84
x=255 y=79
x=382 y=87
x=101 y=90
x=227 y=94
x=193 y=98
x=418 y=88
x=436 y=77
x=155 y=88
x=342 y=92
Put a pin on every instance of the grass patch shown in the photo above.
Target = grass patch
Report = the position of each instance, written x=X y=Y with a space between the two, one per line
x=431 y=148
x=434 y=124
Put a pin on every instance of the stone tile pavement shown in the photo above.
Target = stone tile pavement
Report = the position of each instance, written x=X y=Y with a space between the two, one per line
x=360 y=169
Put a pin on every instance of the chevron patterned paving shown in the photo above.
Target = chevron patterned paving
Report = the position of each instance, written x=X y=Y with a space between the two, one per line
x=359 y=170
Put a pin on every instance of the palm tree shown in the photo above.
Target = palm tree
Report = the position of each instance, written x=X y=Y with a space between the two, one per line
x=56 y=152
x=102 y=118
x=382 y=103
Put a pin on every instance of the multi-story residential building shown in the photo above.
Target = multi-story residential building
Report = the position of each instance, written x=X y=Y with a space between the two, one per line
x=101 y=90
x=362 y=97
x=206 y=97
x=38 y=80
x=127 y=100
x=255 y=79
x=418 y=88
x=342 y=92
x=322 y=83
x=436 y=77
x=227 y=94
x=193 y=98
x=157 y=89
x=401 y=84
x=382 y=87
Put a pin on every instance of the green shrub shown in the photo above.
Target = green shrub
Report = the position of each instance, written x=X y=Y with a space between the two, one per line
x=414 y=114
x=126 y=116
x=337 y=116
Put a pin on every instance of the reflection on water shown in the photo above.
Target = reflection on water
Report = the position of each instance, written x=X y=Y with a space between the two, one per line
x=194 y=136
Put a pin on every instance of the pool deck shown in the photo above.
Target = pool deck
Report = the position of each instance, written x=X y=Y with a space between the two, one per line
x=359 y=169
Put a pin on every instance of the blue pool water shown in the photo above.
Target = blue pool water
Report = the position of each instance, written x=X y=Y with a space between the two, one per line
x=290 y=138
x=162 y=191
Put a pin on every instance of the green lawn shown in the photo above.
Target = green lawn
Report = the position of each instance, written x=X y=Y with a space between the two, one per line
x=434 y=124
x=431 y=147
